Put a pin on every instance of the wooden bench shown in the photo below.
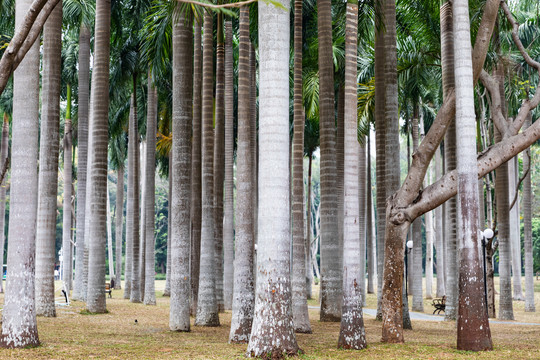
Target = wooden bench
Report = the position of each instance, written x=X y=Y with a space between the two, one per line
x=108 y=289
x=439 y=305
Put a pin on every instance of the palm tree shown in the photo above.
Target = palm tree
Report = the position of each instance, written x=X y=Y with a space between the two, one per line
x=416 y=258
x=149 y=289
x=472 y=326
x=48 y=165
x=19 y=327
x=352 y=334
x=119 y=225
x=207 y=309
x=95 y=301
x=4 y=160
x=196 y=206
x=273 y=313
x=243 y=296
x=298 y=282
x=439 y=244
x=228 y=215
x=527 y=227
x=67 y=260
x=331 y=281
x=219 y=160
x=182 y=66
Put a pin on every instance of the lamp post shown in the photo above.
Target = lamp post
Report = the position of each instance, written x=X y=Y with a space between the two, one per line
x=486 y=234
x=407 y=250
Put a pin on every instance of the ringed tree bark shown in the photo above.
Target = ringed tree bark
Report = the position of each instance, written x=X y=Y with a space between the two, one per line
x=119 y=229
x=67 y=260
x=207 y=309
x=331 y=278
x=228 y=214
x=19 y=326
x=352 y=334
x=527 y=226
x=95 y=302
x=79 y=288
x=244 y=292
x=473 y=333
x=181 y=161
x=272 y=333
x=408 y=203
x=48 y=165
x=298 y=276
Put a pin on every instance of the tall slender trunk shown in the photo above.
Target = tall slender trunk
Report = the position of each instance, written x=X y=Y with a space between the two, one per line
x=109 y=236
x=309 y=232
x=331 y=281
x=429 y=248
x=128 y=269
x=228 y=214
x=219 y=161
x=4 y=163
x=96 y=302
x=515 y=236
x=142 y=218
x=439 y=230
x=527 y=227
x=380 y=142
x=133 y=202
x=416 y=258
x=450 y=233
x=19 y=327
x=48 y=165
x=253 y=143
x=167 y=290
x=150 y=258
x=181 y=164
x=371 y=246
x=352 y=334
x=79 y=290
x=207 y=309
x=119 y=224
x=298 y=282
x=196 y=206
x=473 y=331
x=272 y=332
x=340 y=140
x=244 y=292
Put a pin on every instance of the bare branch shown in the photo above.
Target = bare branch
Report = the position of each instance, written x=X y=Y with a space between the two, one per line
x=525 y=173
x=8 y=63
x=496 y=107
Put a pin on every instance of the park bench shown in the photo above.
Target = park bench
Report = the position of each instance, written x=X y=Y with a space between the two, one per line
x=439 y=304
x=108 y=289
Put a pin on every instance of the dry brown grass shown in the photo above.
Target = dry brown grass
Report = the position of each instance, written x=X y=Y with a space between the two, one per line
x=115 y=335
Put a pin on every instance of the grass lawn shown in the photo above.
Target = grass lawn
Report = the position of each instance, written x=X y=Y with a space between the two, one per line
x=72 y=335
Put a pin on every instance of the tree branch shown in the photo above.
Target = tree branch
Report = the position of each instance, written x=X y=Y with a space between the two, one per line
x=496 y=107
x=520 y=182
x=4 y=171
x=9 y=62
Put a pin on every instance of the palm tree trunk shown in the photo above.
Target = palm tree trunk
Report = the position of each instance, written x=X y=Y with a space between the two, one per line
x=150 y=258
x=142 y=219
x=119 y=225
x=207 y=309
x=515 y=236
x=254 y=148
x=331 y=281
x=298 y=281
x=352 y=334
x=48 y=165
x=439 y=244
x=219 y=161
x=128 y=269
x=181 y=164
x=167 y=290
x=416 y=259
x=273 y=313
x=228 y=215
x=4 y=163
x=370 y=234
x=527 y=227
x=98 y=159
x=132 y=213
x=429 y=248
x=196 y=206
x=19 y=327
x=109 y=236
x=244 y=296
x=79 y=290
x=473 y=333
x=450 y=233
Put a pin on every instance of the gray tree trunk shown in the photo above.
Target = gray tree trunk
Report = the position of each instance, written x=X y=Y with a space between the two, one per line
x=48 y=165
x=4 y=159
x=272 y=332
x=527 y=227
x=109 y=236
x=167 y=290
x=181 y=178
x=142 y=219
x=416 y=259
x=439 y=233
x=79 y=289
x=150 y=258
x=119 y=225
x=515 y=233
x=19 y=326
